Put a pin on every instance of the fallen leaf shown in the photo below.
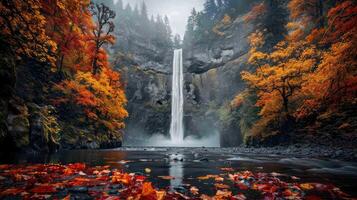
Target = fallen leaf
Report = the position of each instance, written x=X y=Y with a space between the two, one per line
x=219 y=179
x=44 y=189
x=160 y=195
x=239 y=197
x=11 y=191
x=227 y=169
x=166 y=177
x=223 y=193
x=221 y=186
x=207 y=177
x=312 y=197
x=3 y=167
x=77 y=166
x=121 y=178
x=111 y=198
x=194 y=190
x=242 y=186
x=147 y=189
x=140 y=178
x=306 y=186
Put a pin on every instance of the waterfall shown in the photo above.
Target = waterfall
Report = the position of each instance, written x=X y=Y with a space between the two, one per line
x=176 y=128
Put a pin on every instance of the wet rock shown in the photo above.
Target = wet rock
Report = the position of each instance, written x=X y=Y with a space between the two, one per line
x=81 y=196
x=180 y=189
x=78 y=189
x=119 y=186
x=113 y=192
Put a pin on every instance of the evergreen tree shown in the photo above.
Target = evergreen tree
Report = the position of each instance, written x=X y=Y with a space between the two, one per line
x=144 y=11
x=219 y=4
x=136 y=11
x=190 y=28
x=119 y=6
x=167 y=27
x=210 y=9
x=177 y=41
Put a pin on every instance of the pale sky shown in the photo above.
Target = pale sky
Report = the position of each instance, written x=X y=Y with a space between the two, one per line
x=177 y=11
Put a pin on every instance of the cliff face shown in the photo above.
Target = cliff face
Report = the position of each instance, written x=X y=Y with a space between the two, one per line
x=146 y=71
x=213 y=79
x=213 y=61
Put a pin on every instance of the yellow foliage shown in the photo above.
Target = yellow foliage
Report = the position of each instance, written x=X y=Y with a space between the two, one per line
x=23 y=29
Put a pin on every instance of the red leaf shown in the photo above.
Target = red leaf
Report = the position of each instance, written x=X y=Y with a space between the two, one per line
x=43 y=189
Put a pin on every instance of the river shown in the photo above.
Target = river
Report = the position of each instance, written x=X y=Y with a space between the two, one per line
x=186 y=164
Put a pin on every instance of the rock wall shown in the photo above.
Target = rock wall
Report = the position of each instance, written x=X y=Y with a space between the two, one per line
x=146 y=73
x=213 y=79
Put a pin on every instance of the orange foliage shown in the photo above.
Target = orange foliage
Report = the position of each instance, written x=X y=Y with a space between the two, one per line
x=257 y=11
x=306 y=11
x=312 y=68
x=68 y=24
x=101 y=96
x=334 y=80
x=23 y=29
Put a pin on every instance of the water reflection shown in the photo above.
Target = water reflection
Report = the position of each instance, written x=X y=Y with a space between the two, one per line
x=176 y=169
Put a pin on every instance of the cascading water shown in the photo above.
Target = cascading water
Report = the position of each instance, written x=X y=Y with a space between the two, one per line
x=176 y=128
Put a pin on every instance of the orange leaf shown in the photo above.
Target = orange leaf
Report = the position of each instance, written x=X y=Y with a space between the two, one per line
x=44 y=189
x=147 y=189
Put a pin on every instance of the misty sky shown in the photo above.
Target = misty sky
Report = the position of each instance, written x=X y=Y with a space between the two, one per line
x=177 y=10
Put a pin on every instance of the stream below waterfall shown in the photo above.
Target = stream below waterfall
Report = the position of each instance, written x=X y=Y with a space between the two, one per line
x=186 y=164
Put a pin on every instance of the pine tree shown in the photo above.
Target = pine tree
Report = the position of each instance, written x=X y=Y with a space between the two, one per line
x=144 y=11
x=167 y=27
x=119 y=6
x=190 y=28
x=210 y=8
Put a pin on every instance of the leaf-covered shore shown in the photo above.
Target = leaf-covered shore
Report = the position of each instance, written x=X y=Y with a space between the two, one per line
x=79 y=181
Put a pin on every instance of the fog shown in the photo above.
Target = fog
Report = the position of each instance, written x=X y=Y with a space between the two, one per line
x=210 y=140
x=177 y=11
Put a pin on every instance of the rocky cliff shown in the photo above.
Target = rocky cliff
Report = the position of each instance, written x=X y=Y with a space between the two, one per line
x=213 y=79
x=212 y=67
x=146 y=72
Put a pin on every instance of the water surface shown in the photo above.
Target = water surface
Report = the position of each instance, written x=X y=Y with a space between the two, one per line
x=186 y=164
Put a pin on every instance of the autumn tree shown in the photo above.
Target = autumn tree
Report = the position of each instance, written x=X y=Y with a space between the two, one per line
x=68 y=24
x=334 y=81
x=307 y=11
x=278 y=78
x=101 y=34
x=102 y=98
